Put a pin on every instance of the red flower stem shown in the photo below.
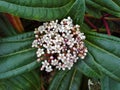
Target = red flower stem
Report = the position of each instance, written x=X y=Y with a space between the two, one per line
x=106 y=24
x=91 y=24
x=106 y=18
x=106 y=15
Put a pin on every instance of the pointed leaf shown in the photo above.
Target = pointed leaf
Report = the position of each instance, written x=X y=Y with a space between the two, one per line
x=102 y=8
x=39 y=3
x=15 y=43
x=27 y=81
x=36 y=13
x=93 y=11
x=105 y=52
x=77 y=11
x=108 y=4
x=66 y=80
x=20 y=59
x=87 y=67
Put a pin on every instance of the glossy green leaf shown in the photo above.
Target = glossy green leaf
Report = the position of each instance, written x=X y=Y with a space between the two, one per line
x=108 y=43
x=88 y=67
x=36 y=13
x=93 y=11
x=104 y=50
x=39 y=3
x=16 y=43
x=20 y=59
x=102 y=8
x=77 y=11
x=108 y=4
x=109 y=84
x=6 y=29
x=66 y=80
x=27 y=81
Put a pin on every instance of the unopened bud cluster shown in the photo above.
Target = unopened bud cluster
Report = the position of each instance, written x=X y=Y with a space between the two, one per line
x=59 y=44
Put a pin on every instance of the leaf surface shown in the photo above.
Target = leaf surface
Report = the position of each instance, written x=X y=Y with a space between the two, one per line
x=66 y=80
x=17 y=56
x=27 y=81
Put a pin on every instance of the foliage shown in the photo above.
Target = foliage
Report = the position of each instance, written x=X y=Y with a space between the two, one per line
x=18 y=59
x=26 y=81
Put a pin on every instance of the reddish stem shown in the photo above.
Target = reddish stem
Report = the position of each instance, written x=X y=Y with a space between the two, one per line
x=15 y=21
x=106 y=26
x=91 y=24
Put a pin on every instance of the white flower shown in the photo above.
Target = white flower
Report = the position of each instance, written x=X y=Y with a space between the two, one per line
x=48 y=69
x=54 y=62
x=77 y=26
x=61 y=44
x=35 y=43
x=63 y=67
x=61 y=57
x=81 y=35
x=44 y=64
x=36 y=31
x=86 y=50
x=59 y=66
x=82 y=57
x=41 y=29
x=68 y=65
x=53 y=24
x=40 y=52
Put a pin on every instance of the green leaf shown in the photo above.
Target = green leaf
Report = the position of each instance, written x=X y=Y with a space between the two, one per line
x=6 y=28
x=88 y=67
x=77 y=11
x=16 y=43
x=117 y=2
x=36 y=13
x=109 y=43
x=102 y=8
x=104 y=51
x=93 y=11
x=66 y=80
x=20 y=59
x=39 y=3
x=108 y=4
x=109 y=84
x=27 y=81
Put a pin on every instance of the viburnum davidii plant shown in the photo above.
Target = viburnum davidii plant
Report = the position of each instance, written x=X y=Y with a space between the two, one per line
x=76 y=45
x=59 y=45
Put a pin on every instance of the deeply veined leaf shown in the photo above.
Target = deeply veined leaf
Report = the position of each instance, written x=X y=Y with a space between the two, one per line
x=16 y=43
x=77 y=11
x=105 y=52
x=108 y=4
x=66 y=80
x=88 y=67
x=109 y=84
x=20 y=59
x=93 y=11
x=27 y=81
x=39 y=3
x=36 y=13
x=6 y=28
x=102 y=8
x=109 y=43
x=19 y=37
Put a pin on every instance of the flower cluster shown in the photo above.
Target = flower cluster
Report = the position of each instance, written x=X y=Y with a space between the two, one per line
x=59 y=45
